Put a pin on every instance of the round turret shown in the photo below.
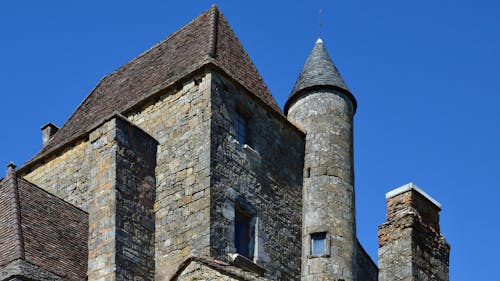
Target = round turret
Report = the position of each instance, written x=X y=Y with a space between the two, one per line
x=322 y=104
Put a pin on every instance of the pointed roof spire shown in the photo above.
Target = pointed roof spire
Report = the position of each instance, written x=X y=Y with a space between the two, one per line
x=318 y=72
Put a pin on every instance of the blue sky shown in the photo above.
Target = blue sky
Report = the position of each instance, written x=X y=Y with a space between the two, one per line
x=425 y=74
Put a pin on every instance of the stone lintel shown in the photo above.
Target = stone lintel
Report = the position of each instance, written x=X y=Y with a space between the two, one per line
x=409 y=187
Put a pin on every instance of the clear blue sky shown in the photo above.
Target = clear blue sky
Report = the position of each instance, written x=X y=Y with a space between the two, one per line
x=425 y=74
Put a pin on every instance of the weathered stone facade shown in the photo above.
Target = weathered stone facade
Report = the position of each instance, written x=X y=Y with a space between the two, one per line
x=195 y=152
x=263 y=176
x=328 y=190
x=411 y=246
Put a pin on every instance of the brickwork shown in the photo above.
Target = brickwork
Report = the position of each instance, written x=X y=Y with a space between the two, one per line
x=411 y=246
x=264 y=177
x=328 y=183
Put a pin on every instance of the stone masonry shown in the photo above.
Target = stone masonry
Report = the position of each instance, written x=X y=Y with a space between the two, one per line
x=411 y=247
x=261 y=176
x=328 y=183
x=121 y=220
x=155 y=165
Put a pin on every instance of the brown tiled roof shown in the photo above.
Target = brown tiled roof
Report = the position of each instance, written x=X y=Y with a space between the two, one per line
x=11 y=246
x=208 y=39
x=42 y=229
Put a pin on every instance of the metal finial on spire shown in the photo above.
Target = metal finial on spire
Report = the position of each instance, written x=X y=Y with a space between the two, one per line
x=320 y=25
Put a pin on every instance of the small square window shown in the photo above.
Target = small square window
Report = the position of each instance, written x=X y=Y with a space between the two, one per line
x=241 y=127
x=318 y=244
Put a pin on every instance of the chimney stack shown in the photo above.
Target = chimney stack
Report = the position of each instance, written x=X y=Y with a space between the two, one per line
x=48 y=130
x=411 y=246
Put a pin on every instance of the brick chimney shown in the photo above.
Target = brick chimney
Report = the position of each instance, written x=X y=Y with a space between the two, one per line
x=411 y=246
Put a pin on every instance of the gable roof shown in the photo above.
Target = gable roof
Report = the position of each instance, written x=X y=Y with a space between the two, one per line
x=41 y=229
x=224 y=268
x=208 y=39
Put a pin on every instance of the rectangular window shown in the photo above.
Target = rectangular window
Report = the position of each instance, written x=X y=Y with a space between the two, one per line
x=318 y=243
x=241 y=126
x=243 y=233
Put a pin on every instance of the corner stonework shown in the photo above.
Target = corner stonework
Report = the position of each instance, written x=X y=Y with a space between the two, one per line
x=121 y=216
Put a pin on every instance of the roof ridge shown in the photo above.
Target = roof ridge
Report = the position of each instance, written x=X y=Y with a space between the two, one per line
x=213 y=36
x=207 y=39
x=10 y=183
x=214 y=9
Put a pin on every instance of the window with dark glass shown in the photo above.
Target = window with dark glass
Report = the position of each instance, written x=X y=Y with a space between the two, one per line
x=318 y=243
x=243 y=233
x=241 y=126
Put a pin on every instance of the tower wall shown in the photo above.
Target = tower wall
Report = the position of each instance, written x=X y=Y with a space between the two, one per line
x=328 y=188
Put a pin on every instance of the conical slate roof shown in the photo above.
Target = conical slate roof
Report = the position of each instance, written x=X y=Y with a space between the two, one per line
x=319 y=71
x=207 y=40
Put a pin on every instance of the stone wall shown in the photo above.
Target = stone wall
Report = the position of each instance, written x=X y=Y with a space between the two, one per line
x=180 y=120
x=366 y=269
x=264 y=177
x=121 y=217
x=411 y=246
x=327 y=117
x=66 y=174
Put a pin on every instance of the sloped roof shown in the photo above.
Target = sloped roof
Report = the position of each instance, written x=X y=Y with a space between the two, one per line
x=42 y=229
x=208 y=39
x=319 y=71
x=219 y=266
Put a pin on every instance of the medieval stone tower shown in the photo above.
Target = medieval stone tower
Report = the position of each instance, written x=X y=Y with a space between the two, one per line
x=322 y=104
x=180 y=165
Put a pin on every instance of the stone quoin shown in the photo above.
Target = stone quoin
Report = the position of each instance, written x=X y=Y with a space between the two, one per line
x=180 y=165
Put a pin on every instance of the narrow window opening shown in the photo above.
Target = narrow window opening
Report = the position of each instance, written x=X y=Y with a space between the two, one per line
x=318 y=243
x=241 y=126
x=243 y=233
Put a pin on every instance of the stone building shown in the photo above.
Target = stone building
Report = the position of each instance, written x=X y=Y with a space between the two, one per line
x=181 y=166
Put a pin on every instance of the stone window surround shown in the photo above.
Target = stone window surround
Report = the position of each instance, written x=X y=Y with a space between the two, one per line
x=242 y=116
x=233 y=203
x=328 y=247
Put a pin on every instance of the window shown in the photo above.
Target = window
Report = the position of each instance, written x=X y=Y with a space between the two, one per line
x=318 y=244
x=241 y=127
x=243 y=233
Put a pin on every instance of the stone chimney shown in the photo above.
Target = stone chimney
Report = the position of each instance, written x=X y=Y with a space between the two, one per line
x=48 y=130
x=411 y=246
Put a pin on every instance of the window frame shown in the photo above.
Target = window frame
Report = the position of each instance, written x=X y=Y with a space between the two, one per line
x=326 y=244
x=250 y=219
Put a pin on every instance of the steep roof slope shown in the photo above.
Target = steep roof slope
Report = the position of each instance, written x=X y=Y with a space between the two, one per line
x=208 y=39
x=41 y=229
x=319 y=71
x=11 y=245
